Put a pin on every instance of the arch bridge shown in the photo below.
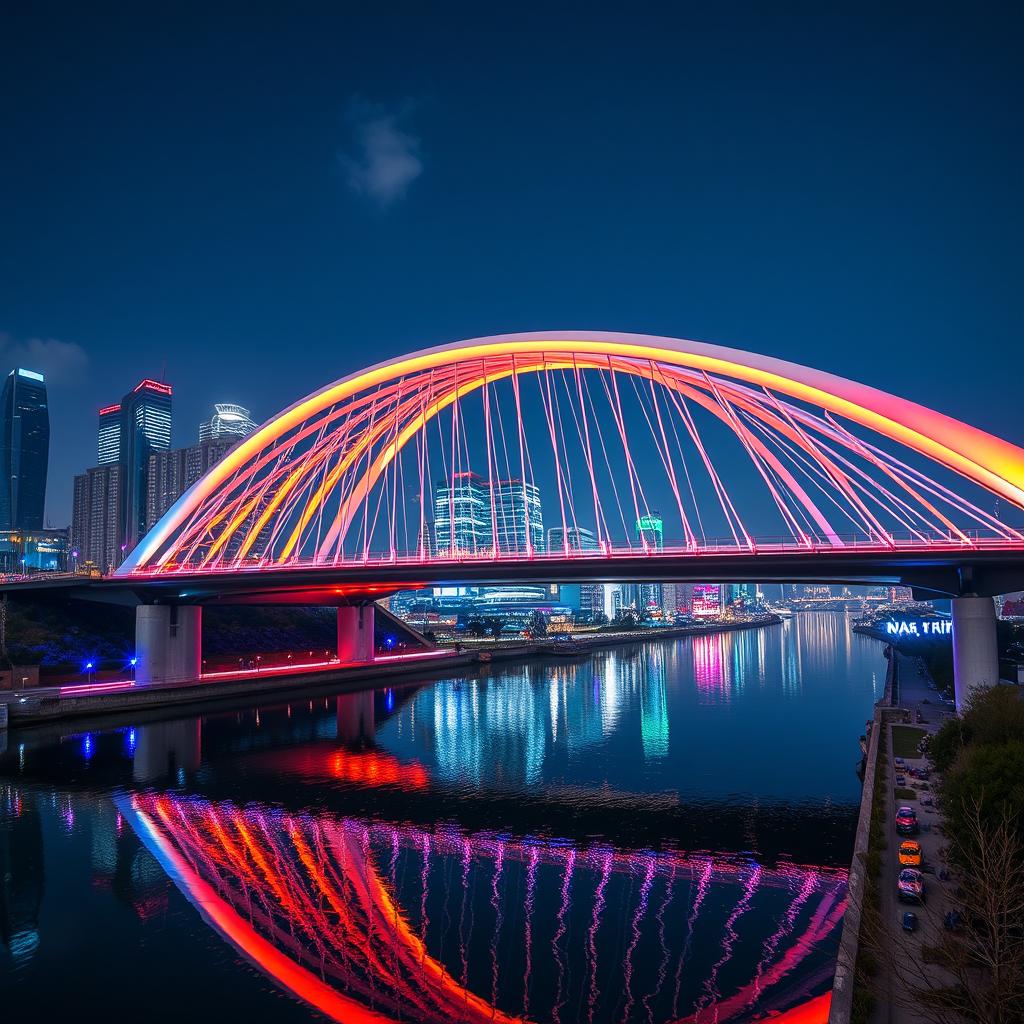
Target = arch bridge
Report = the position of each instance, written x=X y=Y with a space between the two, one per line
x=561 y=456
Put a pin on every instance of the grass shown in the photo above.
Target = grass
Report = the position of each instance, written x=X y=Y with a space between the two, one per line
x=905 y=739
x=900 y=793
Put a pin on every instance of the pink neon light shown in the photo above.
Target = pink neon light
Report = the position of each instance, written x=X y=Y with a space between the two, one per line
x=154 y=385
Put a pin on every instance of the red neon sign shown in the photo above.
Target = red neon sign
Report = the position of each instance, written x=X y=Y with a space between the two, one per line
x=155 y=385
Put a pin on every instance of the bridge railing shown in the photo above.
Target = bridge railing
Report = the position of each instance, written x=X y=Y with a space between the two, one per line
x=961 y=541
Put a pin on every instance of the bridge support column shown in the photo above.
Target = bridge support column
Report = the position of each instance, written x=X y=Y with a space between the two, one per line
x=168 y=643
x=975 y=651
x=355 y=633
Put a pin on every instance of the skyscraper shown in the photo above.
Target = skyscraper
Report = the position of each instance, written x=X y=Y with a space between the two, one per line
x=473 y=515
x=462 y=515
x=108 y=444
x=650 y=535
x=171 y=473
x=228 y=420
x=97 y=526
x=24 y=450
x=145 y=428
x=587 y=598
x=518 y=517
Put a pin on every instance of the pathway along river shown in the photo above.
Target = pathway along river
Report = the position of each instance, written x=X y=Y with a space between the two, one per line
x=652 y=833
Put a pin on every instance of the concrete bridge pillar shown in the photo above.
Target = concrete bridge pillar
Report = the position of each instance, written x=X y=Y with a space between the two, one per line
x=168 y=643
x=975 y=651
x=355 y=633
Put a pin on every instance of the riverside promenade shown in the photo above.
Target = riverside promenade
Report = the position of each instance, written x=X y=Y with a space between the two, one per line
x=52 y=703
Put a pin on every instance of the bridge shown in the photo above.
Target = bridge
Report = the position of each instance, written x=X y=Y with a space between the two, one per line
x=646 y=458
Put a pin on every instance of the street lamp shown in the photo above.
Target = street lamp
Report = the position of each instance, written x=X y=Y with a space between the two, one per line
x=89 y=666
x=133 y=662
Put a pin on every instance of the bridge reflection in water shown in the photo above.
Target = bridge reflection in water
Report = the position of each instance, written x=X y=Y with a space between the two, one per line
x=367 y=921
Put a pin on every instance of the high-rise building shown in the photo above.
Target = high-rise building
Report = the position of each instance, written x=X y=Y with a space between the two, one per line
x=707 y=600
x=571 y=538
x=588 y=599
x=743 y=595
x=24 y=450
x=473 y=516
x=145 y=429
x=650 y=531
x=462 y=515
x=97 y=524
x=171 y=473
x=228 y=420
x=108 y=442
x=650 y=535
x=518 y=517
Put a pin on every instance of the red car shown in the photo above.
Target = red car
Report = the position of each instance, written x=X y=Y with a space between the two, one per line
x=906 y=821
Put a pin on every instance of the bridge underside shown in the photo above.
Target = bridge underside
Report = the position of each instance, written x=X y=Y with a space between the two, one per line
x=949 y=572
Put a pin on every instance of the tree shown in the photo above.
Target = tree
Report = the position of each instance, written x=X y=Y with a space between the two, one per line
x=538 y=624
x=994 y=771
x=476 y=627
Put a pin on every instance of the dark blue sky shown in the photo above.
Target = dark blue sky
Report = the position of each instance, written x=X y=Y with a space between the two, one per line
x=262 y=202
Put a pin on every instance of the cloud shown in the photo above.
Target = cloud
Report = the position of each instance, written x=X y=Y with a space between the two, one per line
x=59 y=361
x=382 y=160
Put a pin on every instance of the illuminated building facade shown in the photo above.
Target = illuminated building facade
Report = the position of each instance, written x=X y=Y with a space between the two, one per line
x=97 y=523
x=108 y=441
x=28 y=551
x=707 y=600
x=462 y=518
x=228 y=421
x=171 y=473
x=473 y=515
x=145 y=429
x=24 y=450
x=517 y=511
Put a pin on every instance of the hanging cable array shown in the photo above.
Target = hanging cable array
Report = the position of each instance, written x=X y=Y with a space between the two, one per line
x=472 y=456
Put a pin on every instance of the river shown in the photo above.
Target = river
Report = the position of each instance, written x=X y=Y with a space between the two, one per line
x=653 y=833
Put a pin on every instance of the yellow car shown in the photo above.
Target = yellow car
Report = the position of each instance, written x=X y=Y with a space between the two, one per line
x=910 y=853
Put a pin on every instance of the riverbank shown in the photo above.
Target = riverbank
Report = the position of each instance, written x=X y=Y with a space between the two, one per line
x=48 y=704
x=844 y=984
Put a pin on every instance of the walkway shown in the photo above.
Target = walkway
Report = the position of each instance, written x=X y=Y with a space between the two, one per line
x=914 y=694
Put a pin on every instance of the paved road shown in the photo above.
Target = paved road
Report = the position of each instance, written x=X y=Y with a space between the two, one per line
x=913 y=694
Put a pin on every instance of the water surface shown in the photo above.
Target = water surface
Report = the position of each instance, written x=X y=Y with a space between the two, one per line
x=657 y=832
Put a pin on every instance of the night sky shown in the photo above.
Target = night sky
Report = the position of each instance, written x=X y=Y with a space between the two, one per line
x=253 y=204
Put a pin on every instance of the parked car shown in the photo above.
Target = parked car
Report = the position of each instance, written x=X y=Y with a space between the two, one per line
x=906 y=821
x=910 y=886
x=910 y=853
x=909 y=921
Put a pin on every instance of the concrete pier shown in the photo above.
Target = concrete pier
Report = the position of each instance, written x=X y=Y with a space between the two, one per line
x=975 y=651
x=355 y=633
x=168 y=643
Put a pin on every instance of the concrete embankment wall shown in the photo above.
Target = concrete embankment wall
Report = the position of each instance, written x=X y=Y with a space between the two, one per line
x=144 y=698
x=845 y=977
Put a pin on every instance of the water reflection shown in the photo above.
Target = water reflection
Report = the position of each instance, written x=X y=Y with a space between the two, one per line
x=651 y=834
x=442 y=926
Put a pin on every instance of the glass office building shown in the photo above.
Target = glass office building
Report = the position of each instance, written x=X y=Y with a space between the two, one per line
x=24 y=450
